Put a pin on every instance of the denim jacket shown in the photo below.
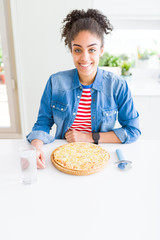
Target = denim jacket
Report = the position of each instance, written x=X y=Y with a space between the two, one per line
x=111 y=100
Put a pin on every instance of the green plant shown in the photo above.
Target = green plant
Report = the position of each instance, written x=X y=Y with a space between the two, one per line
x=146 y=54
x=110 y=60
x=125 y=67
x=124 y=57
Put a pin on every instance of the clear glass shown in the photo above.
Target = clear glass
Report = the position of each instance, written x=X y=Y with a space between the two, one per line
x=28 y=164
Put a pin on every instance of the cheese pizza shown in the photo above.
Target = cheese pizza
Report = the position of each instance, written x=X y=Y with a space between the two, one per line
x=80 y=158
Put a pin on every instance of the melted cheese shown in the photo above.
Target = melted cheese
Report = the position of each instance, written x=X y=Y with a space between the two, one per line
x=81 y=156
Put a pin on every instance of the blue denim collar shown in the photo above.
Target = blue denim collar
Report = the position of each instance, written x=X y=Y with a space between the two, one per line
x=76 y=83
x=97 y=84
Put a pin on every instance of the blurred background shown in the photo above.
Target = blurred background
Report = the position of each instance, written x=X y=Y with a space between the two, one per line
x=31 y=50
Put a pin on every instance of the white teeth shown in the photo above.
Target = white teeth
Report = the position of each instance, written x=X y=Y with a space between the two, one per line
x=85 y=65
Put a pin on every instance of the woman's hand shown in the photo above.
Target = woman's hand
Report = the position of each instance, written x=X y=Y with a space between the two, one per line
x=77 y=136
x=39 y=153
x=40 y=158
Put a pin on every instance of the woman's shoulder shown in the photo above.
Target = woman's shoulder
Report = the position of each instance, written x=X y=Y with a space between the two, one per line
x=63 y=74
x=63 y=80
x=110 y=78
x=113 y=84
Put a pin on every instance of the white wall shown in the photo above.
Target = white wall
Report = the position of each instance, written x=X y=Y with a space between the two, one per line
x=137 y=8
x=128 y=14
x=39 y=50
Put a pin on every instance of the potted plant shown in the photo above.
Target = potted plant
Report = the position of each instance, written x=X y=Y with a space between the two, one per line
x=110 y=63
x=147 y=59
x=125 y=67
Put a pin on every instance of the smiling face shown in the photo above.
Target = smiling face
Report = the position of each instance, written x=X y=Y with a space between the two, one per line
x=86 y=51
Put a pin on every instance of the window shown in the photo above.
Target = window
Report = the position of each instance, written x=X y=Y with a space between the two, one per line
x=137 y=44
x=9 y=109
x=136 y=29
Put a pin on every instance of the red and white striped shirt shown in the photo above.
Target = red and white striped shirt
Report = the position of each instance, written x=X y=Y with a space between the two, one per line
x=82 y=120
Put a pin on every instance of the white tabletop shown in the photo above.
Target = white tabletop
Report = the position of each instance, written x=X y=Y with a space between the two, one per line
x=110 y=204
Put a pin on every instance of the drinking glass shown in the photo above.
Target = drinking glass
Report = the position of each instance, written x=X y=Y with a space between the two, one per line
x=28 y=164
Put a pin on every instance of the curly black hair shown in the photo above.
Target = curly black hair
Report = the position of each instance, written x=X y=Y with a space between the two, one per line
x=78 y=20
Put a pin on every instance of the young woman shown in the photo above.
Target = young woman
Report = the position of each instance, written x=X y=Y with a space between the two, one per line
x=84 y=102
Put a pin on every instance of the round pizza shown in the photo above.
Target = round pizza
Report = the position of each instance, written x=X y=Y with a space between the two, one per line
x=80 y=158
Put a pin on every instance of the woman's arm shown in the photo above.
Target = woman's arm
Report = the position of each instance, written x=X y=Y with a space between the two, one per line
x=45 y=120
x=37 y=143
x=128 y=117
x=109 y=137
x=105 y=137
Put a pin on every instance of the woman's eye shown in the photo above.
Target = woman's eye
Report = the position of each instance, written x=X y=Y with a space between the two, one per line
x=92 y=50
x=77 y=50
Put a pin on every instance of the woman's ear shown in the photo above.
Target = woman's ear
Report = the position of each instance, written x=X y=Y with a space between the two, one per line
x=101 y=51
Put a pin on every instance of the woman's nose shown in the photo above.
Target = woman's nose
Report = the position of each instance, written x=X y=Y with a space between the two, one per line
x=84 y=56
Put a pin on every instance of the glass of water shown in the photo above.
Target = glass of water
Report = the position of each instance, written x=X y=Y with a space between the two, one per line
x=28 y=164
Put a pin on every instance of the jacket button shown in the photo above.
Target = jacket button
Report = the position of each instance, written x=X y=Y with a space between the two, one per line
x=93 y=99
x=61 y=109
x=93 y=117
x=74 y=114
x=78 y=96
x=53 y=106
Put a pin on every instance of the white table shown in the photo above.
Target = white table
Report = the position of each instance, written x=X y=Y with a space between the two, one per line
x=111 y=204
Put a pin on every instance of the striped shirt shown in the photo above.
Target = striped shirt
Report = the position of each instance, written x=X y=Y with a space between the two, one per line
x=82 y=120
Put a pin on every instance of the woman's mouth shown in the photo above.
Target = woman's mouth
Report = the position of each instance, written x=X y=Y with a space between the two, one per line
x=86 y=65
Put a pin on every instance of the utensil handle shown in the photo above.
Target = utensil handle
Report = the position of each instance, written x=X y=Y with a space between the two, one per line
x=120 y=154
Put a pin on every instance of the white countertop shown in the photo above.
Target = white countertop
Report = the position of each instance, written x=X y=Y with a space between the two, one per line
x=110 y=204
x=145 y=82
x=145 y=87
